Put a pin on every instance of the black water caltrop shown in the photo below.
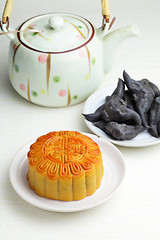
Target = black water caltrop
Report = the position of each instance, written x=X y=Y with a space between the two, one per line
x=154 y=118
x=143 y=95
x=128 y=112
x=117 y=110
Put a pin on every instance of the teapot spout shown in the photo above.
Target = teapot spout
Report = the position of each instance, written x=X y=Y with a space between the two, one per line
x=111 y=42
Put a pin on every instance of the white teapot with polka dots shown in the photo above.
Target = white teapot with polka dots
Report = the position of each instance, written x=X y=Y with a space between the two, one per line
x=58 y=60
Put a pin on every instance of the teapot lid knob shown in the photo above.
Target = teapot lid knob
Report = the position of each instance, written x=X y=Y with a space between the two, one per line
x=56 y=22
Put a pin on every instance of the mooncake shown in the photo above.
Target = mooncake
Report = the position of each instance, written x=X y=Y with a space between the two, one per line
x=64 y=165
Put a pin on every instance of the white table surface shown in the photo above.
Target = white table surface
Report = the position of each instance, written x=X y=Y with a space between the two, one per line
x=134 y=212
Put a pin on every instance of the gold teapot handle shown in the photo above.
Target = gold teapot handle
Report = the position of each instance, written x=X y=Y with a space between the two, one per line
x=7 y=11
x=4 y=23
x=9 y=3
x=105 y=10
x=106 y=14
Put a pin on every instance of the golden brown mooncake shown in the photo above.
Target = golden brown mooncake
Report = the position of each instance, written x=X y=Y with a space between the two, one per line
x=64 y=165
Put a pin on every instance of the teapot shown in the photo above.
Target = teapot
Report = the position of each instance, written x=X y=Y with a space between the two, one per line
x=59 y=59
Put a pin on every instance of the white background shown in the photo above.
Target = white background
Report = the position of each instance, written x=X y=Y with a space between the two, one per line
x=134 y=212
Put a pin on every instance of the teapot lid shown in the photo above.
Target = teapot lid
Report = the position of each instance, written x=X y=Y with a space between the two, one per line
x=58 y=33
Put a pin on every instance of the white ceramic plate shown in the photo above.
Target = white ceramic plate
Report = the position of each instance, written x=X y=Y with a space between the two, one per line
x=114 y=171
x=97 y=99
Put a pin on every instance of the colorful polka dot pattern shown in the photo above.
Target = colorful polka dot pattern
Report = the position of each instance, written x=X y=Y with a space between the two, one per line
x=34 y=93
x=75 y=97
x=22 y=87
x=80 y=37
x=62 y=93
x=56 y=79
x=16 y=68
x=34 y=34
x=42 y=58
x=11 y=77
x=82 y=53
x=93 y=61
x=43 y=91
x=32 y=26
x=87 y=76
